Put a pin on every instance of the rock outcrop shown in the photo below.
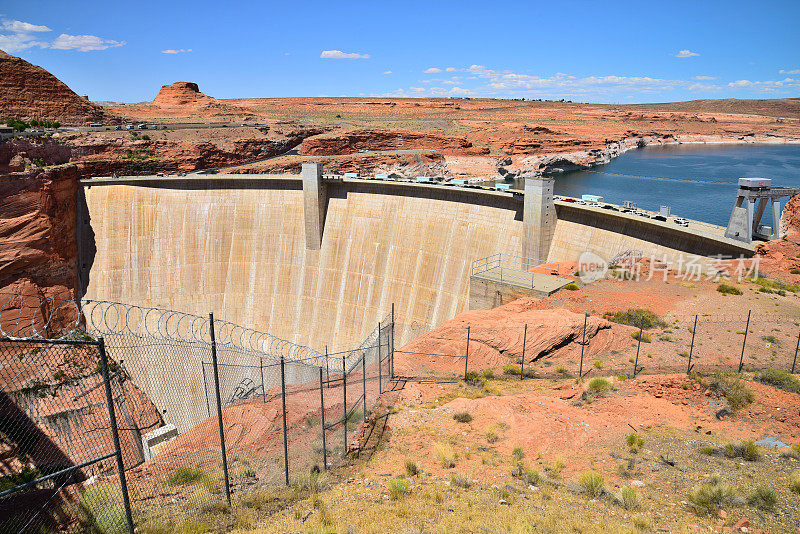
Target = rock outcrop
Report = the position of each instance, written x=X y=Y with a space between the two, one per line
x=38 y=246
x=182 y=94
x=29 y=92
x=779 y=258
x=354 y=141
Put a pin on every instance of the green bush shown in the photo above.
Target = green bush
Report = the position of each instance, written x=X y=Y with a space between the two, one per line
x=398 y=487
x=411 y=468
x=187 y=476
x=794 y=481
x=462 y=417
x=707 y=498
x=445 y=454
x=511 y=369
x=763 y=497
x=572 y=287
x=769 y=283
x=599 y=386
x=593 y=484
x=638 y=317
x=645 y=337
x=100 y=510
x=629 y=498
x=732 y=388
x=460 y=481
x=726 y=289
x=779 y=379
x=746 y=450
x=518 y=453
x=635 y=442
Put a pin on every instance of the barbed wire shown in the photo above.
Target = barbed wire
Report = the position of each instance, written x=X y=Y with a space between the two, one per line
x=38 y=317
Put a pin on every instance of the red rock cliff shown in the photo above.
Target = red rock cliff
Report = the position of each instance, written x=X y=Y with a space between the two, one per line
x=368 y=139
x=38 y=246
x=29 y=92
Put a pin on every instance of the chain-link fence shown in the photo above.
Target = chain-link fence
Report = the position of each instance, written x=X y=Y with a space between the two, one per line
x=61 y=446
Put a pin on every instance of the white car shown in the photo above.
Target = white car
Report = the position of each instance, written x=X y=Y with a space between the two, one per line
x=681 y=221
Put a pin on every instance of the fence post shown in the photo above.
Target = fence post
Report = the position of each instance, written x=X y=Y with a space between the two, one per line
x=263 y=386
x=744 y=342
x=524 y=342
x=112 y=416
x=205 y=386
x=466 y=355
x=638 y=345
x=327 y=366
x=219 y=407
x=583 y=344
x=344 y=396
x=364 y=386
x=391 y=348
x=795 y=352
x=691 y=348
x=285 y=430
x=322 y=405
x=380 y=368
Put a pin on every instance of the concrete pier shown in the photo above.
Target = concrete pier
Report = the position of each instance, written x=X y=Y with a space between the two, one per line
x=315 y=199
x=539 y=218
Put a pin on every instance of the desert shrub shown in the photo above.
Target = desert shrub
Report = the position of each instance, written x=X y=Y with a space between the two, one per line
x=460 y=481
x=488 y=374
x=462 y=417
x=100 y=510
x=746 y=450
x=763 y=497
x=732 y=388
x=593 y=484
x=187 y=476
x=769 y=283
x=635 y=442
x=779 y=379
x=794 y=270
x=629 y=498
x=598 y=364
x=529 y=476
x=559 y=465
x=794 y=481
x=645 y=337
x=474 y=379
x=518 y=454
x=638 y=317
x=726 y=289
x=411 y=468
x=511 y=369
x=599 y=386
x=492 y=437
x=561 y=370
x=708 y=450
x=398 y=487
x=445 y=454
x=572 y=287
x=642 y=524
x=707 y=498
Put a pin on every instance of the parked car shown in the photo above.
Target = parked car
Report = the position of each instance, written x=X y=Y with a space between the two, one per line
x=610 y=207
x=659 y=218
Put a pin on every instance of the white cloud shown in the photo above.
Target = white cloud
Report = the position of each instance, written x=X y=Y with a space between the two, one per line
x=176 y=51
x=19 y=41
x=387 y=72
x=338 y=54
x=705 y=78
x=793 y=71
x=450 y=69
x=686 y=53
x=18 y=26
x=432 y=70
x=84 y=43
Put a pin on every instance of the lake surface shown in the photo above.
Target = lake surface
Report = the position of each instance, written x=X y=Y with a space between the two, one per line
x=700 y=179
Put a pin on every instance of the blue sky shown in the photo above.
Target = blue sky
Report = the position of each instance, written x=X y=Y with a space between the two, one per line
x=579 y=50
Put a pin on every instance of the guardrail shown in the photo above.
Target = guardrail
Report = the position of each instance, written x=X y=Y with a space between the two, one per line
x=515 y=270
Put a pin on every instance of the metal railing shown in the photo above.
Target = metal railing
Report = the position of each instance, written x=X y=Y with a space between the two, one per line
x=515 y=270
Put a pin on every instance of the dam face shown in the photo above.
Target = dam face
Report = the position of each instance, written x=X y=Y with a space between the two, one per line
x=241 y=253
x=237 y=246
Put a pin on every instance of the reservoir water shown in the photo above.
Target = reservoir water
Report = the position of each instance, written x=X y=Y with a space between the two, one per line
x=696 y=181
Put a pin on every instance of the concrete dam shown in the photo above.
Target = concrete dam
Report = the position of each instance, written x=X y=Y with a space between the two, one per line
x=319 y=261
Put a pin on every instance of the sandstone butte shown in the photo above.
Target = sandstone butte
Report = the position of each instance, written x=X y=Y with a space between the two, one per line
x=29 y=92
